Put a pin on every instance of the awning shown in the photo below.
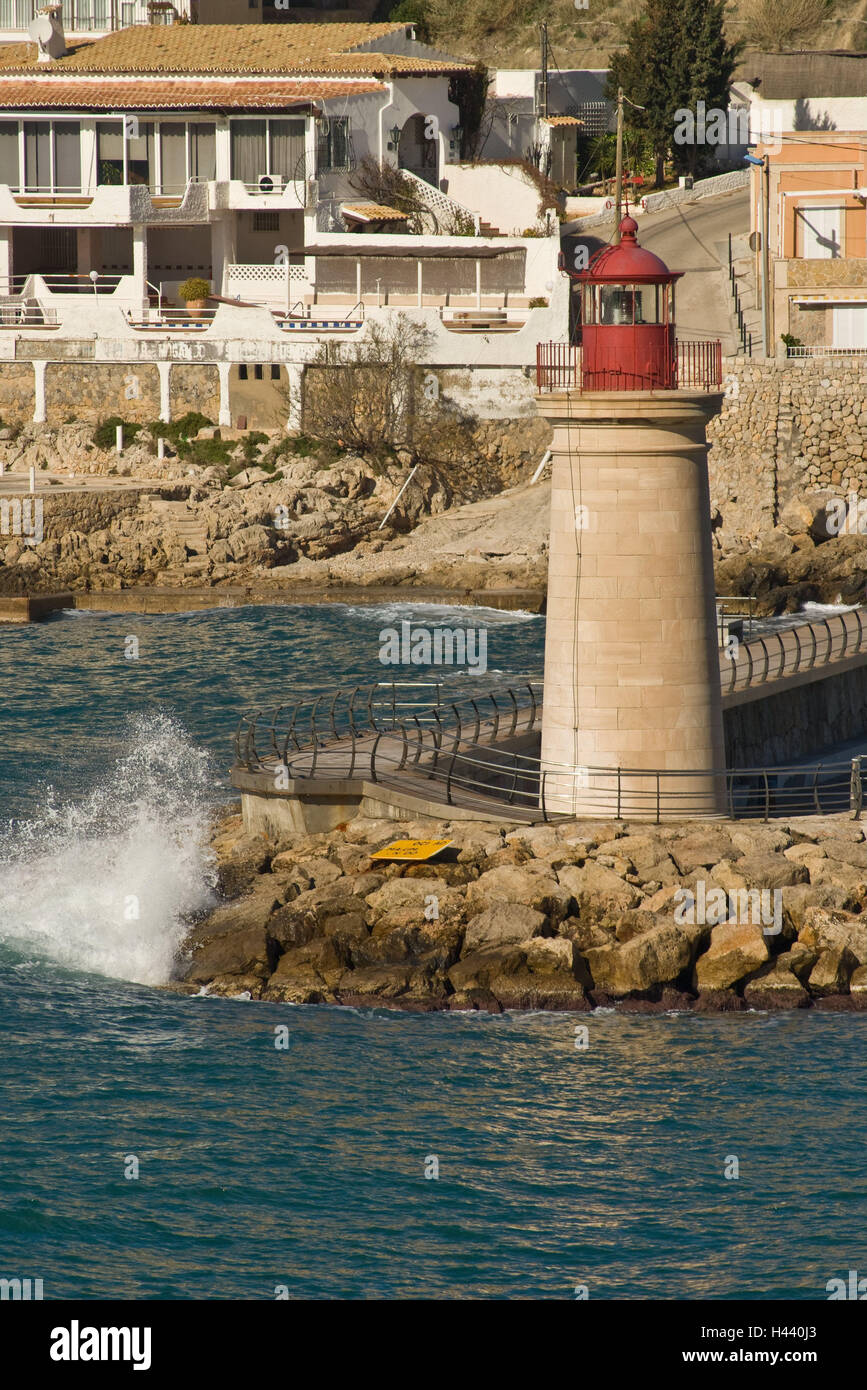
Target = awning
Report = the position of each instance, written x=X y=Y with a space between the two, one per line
x=372 y=212
x=828 y=298
x=423 y=252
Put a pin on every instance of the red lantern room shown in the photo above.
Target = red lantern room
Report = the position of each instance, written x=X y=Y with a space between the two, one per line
x=627 y=312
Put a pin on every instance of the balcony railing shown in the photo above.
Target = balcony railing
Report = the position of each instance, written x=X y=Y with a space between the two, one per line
x=559 y=367
x=93 y=16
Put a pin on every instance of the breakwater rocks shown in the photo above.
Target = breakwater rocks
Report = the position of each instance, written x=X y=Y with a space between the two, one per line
x=710 y=917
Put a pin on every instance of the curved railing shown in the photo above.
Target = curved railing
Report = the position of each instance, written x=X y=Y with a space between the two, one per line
x=794 y=650
x=455 y=753
x=347 y=717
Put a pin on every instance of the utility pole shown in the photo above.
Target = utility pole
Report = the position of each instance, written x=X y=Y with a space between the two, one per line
x=766 y=255
x=765 y=165
x=543 y=82
x=618 y=173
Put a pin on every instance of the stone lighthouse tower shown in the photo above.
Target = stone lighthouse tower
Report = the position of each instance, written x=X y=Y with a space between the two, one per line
x=632 y=721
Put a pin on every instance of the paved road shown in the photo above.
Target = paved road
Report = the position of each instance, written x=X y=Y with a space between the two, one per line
x=692 y=237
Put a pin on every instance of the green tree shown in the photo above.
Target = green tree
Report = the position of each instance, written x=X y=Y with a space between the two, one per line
x=676 y=55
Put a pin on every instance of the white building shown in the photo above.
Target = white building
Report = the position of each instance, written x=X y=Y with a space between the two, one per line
x=132 y=162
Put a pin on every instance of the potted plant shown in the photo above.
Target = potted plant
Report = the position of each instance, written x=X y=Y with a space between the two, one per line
x=195 y=293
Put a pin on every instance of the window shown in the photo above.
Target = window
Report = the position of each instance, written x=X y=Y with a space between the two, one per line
x=819 y=233
x=242 y=371
x=248 y=150
x=203 y=152
x=9 y=153
x=332 y=143
x=173 y=157
x=266 y=221
x=141 y=157
x=52 y=156
x=275 y=371
x=267 y=147
x=257 y=371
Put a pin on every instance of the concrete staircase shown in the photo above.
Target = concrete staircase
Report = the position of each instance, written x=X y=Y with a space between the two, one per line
x=178 y=520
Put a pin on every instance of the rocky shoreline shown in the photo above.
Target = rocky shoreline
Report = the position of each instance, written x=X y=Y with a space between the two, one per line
x=279 y=512
x=711 y=917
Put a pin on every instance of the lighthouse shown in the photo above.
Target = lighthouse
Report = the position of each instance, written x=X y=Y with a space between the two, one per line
x=632 y=719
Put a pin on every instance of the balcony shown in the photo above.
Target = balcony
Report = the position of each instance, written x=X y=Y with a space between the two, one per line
x=270 y=193
x=109 y=205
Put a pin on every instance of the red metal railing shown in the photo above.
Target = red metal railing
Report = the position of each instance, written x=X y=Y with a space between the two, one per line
x=559 y=367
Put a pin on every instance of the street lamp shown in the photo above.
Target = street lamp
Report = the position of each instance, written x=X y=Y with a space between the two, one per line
x=765 y=165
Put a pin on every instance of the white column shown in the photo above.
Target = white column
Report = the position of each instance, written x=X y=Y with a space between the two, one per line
x=165 y=371
x=5 y=260
x=295 y=374
x=358 y=279
x=222 y=249
x=140 y=263
x=478 y=284
x=419 y=281
x=223 y=370
x=39 y=392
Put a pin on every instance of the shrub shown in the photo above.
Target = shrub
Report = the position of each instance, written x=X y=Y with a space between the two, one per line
x=538 y=302
x=205 y=451
x=194 y=288
x=105 y=434
x=184 y=428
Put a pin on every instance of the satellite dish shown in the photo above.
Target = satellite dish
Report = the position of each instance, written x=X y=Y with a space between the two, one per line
x=754 y=241
x=46 y=31
x=40 y=29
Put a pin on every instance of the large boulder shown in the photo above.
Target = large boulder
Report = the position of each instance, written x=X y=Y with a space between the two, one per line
x=250 y=951
x=846 y=852
x=833 y=931
x=776 y=988
x=539 y=974
x=701 y=850
x=736 y=950
x=832 y=972
x=514 y=884
x=498 y=926
x=644 y=852
x=657 y=957
x=597 y=889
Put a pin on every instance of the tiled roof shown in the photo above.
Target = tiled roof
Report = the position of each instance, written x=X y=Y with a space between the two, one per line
x=373 y=212
x=561 y=120
x=259 y=48
x=189 y=94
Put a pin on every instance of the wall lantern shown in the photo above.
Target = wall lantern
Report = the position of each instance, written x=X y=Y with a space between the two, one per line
x=455 y=137
x=394 y=135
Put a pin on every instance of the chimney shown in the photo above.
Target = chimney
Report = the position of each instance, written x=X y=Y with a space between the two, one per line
x=46 y=31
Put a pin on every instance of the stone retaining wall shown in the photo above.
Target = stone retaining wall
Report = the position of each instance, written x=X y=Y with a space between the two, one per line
x=798 y=722
x=786 y=429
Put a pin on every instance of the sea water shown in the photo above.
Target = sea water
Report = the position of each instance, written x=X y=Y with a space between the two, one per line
x=157 y=1146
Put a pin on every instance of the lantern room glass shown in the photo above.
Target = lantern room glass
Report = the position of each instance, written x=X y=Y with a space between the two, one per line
x=624 y=304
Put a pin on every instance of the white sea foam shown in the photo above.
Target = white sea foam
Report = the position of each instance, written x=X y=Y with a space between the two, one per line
x=105 y=883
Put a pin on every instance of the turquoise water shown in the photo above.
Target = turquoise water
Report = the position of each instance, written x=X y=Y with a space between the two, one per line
x=304 y=1167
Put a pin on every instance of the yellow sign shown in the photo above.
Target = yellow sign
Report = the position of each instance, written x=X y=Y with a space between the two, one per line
x=411 y=849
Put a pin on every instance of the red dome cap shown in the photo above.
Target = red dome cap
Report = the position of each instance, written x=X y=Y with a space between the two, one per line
x=628 y=262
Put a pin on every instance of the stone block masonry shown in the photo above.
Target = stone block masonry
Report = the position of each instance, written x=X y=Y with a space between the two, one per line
x=786 y=429
x=798 y=721
x=92 y=391
x=194 y=388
